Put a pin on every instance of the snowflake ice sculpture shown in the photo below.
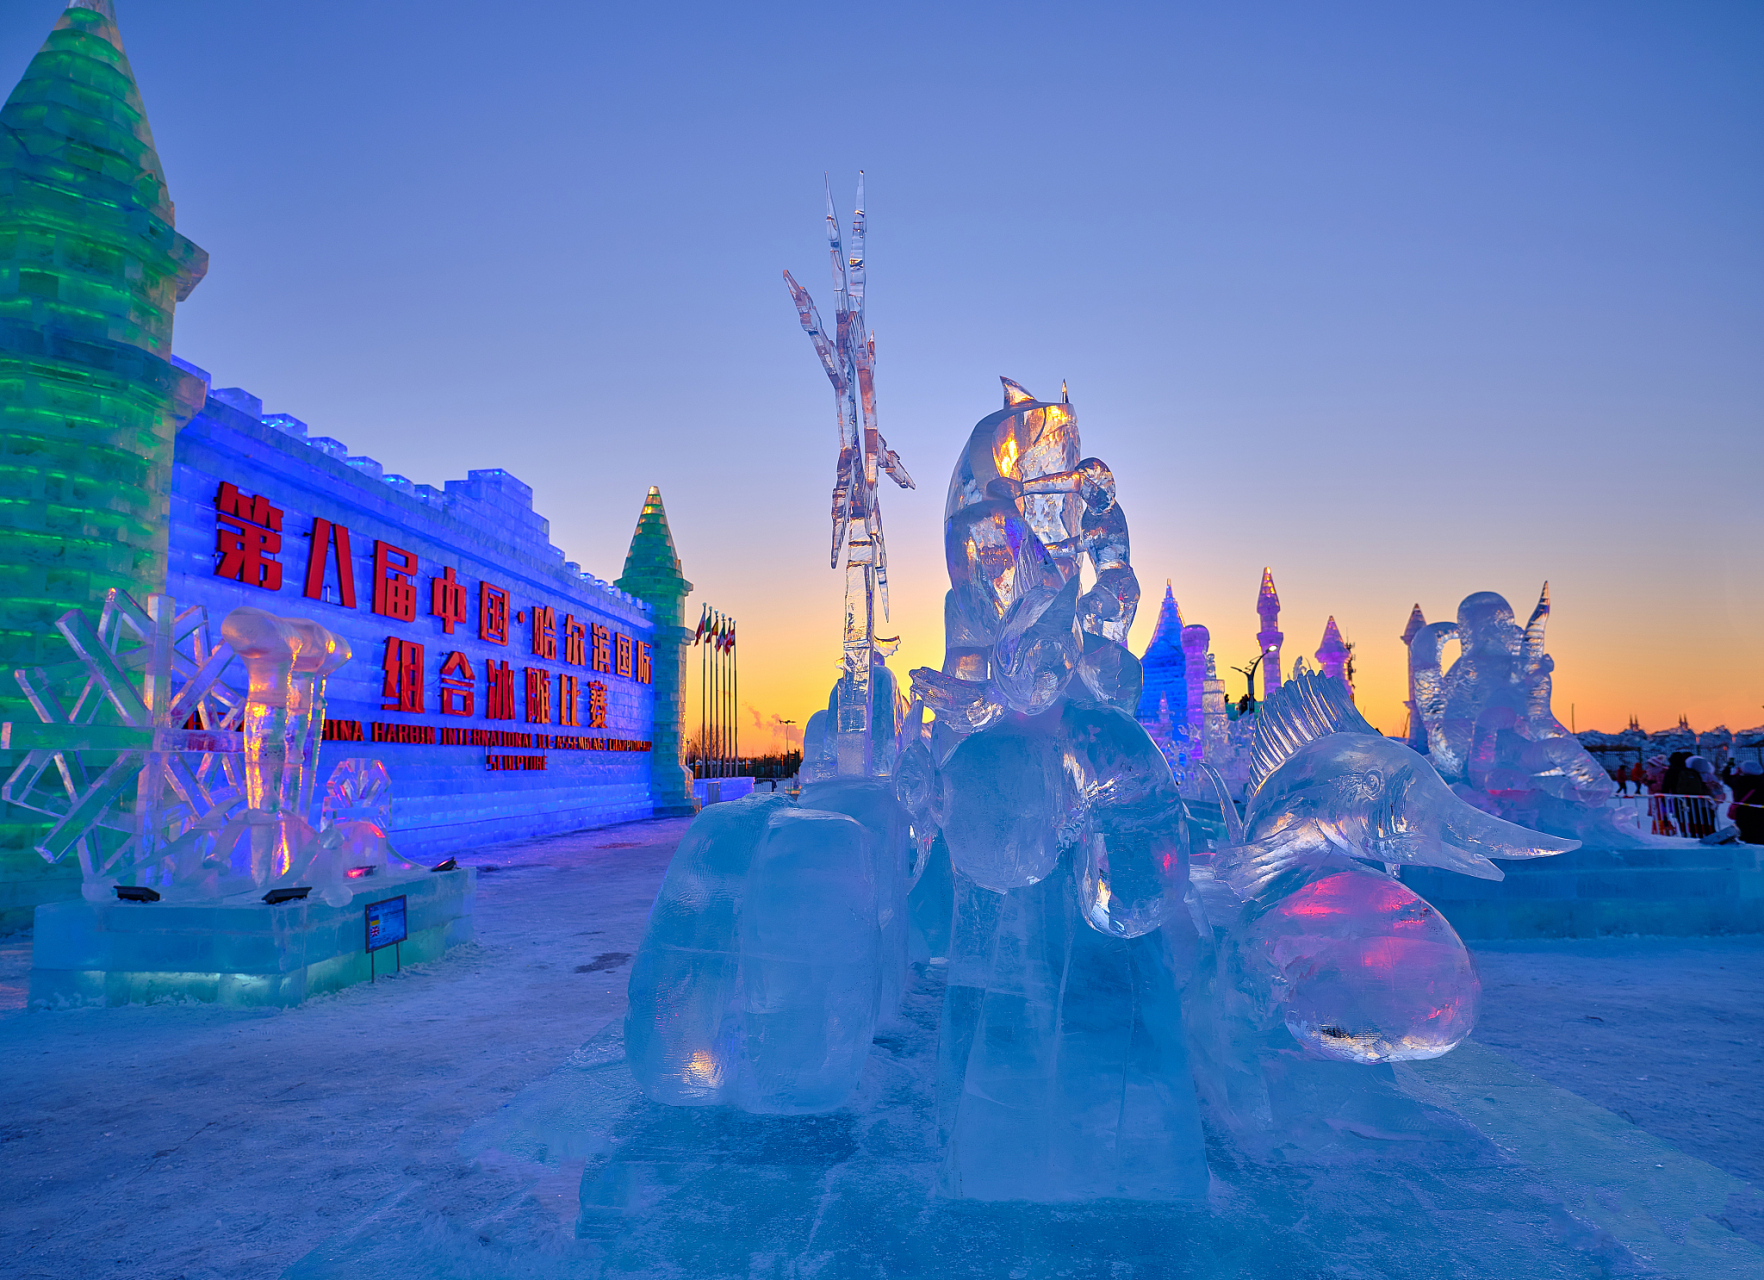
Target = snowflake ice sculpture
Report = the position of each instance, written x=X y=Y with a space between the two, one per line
x=137 y=755
x=157 y=773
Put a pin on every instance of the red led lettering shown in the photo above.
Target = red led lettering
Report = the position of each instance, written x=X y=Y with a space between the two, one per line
x=499 y=691
x=538 y=695
x=248 y=531
x=447 y=599
x=394 y=581
x=457 y=697
x=403 y=689
x=544 y=631
x=492 y=614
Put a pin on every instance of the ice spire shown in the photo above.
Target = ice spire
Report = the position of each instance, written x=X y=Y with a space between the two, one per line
x=1417 y=620
x=1162 y=664
x=1417 y=728
x=848 y=359
x=1269 y=637
x=1332 y=655
x=653 y=574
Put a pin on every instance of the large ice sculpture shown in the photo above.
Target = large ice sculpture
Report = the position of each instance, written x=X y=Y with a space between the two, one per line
x=1319 y=945
x=1033 y=836
x=1062 y=1069
x=1488 y=721
x=163 y=777
x=852 y=734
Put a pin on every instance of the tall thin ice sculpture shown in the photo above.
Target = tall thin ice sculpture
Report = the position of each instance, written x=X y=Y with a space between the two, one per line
x=850 y=361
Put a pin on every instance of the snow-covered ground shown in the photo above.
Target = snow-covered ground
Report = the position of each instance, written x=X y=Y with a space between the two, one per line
x=189 y=1141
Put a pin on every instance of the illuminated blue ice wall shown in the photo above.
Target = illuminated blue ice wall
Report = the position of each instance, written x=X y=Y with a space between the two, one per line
x=508 y=693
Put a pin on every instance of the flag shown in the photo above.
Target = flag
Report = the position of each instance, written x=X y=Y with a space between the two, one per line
x=703 y=616
x=729 y=643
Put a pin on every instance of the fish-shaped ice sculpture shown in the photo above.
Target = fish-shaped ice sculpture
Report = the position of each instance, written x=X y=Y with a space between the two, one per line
x=1359 y=967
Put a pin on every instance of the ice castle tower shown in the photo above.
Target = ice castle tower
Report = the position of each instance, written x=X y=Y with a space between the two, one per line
x=652 y=574
x=1162 y=664
x=1268 y=639
x=91 y=269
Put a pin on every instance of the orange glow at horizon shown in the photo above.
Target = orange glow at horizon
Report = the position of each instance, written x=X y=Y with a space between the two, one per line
x=1615 y=656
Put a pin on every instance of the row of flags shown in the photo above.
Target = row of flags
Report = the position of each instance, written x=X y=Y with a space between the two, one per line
x=720 y=631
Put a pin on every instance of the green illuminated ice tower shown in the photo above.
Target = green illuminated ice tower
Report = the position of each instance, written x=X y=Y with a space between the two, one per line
x=652 y=574
x=90 y=403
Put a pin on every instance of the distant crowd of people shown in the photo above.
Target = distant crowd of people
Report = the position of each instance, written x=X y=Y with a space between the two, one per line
x=1739 y=786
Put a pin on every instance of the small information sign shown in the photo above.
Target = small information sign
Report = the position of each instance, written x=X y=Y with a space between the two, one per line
x=385 y=922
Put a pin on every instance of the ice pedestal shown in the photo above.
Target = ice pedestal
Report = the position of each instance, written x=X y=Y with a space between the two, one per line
x=237 y=953
x=1063 y=1069
x=776 y=942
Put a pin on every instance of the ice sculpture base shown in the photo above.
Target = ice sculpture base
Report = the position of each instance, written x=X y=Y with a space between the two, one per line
x=717 y=790
x=242 y=954
x=1671 y=887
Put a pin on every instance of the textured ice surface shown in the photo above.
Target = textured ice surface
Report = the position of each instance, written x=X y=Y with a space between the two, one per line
x=682 y=1029
x=1366 y=971
x=1001 y=803
x=778 y=939
x=1062 y=1063
x=1131 y=837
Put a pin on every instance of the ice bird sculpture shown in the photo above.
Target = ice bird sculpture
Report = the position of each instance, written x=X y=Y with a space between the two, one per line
x=849 y=357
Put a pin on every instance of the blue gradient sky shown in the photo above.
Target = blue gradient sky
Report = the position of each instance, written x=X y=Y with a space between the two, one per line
x=1405 y=301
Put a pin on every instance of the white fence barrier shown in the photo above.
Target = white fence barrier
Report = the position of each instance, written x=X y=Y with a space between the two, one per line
x=1671 y=815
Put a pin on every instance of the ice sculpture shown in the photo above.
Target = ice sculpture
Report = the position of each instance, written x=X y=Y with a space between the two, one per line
x=1362 y=969
x=852 y=735
x=776 y=943
x=161 y=776
x=135 y=794
x=1062 y=1068
x=1034 y=838
x=1488 y=721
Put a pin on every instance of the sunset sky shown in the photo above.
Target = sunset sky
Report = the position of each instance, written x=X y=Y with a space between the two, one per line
x=1403 y=301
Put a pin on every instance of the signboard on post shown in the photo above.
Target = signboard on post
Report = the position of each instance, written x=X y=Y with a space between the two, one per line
x=385 y=923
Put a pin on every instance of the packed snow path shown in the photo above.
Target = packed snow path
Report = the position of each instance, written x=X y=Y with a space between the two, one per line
x=189 y=1141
